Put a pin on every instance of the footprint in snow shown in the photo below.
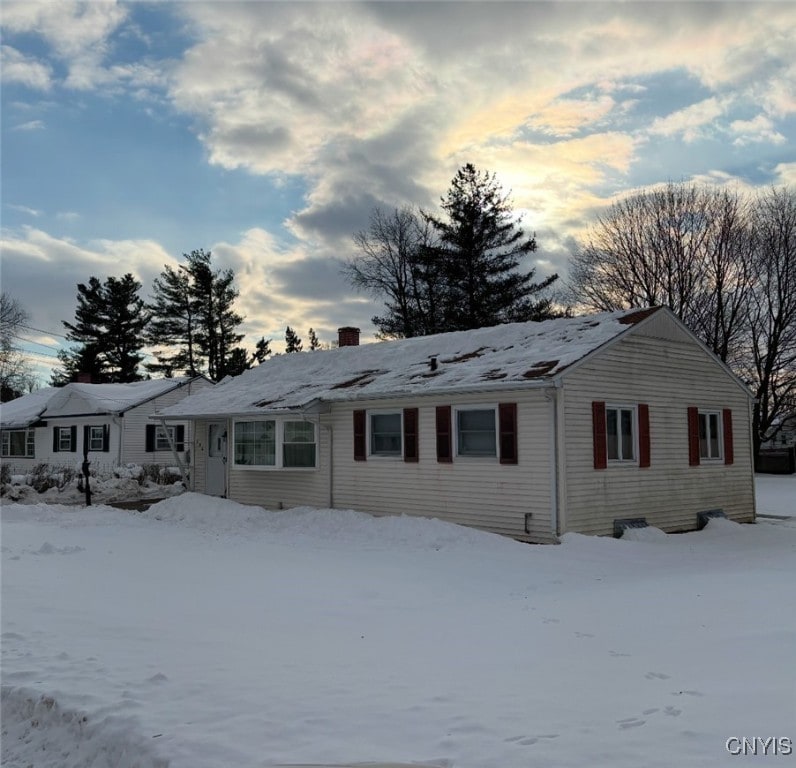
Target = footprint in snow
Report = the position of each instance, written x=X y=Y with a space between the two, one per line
x=618 y=655
x=687 y=693
x=551 y=621
x=527 y=741
x=656 y=676
x=672 y=711
x=630 y=722
x=583 y=634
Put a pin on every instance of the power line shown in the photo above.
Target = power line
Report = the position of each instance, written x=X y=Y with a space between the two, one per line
x=38 y=343
x=39 y=330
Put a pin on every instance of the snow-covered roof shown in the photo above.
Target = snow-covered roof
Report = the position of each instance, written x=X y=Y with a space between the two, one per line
x=516 y=354
x=78 y=399
x=23 y=411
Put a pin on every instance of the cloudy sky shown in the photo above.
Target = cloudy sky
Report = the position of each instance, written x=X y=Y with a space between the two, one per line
x=267 y=132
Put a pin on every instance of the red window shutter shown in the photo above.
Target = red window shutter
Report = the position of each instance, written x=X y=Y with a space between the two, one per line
x=410 y=434
x=729 y=451
x=693 y=437
x=444 y=448
x=360 y=436
x=643 y=435
x=507 y=419
x=598 y=429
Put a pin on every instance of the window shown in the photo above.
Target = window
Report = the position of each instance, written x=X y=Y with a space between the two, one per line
x=274 y=444
x=476 y=432
x=255 y=443
x=64 y=439
x=18 y=443
x=385 y=434
x=96 y=438
x=620 y=433
x=157 y=438
x=298 y=444
x=709 y=435
x=163 y=438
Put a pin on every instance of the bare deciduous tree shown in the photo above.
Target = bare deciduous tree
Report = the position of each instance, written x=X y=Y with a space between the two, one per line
x=685 y=247
x=16 y=376
x=395 y=263
x=770 y=362
x=725 y=264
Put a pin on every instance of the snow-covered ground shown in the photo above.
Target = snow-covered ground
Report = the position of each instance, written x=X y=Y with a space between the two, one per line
x=205 y=634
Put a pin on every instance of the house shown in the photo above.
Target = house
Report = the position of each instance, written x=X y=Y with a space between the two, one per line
x=54 y=425
x=530 y=430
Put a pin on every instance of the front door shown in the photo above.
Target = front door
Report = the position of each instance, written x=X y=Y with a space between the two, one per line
x=216 y=480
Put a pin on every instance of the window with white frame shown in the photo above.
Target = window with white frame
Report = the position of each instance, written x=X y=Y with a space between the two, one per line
x=298 y=444
x=96 y=438
x=385 y=433
x=620 y=433
x=19 y=443
x=163 y=438
x=476 y=431
x=274 y=444
x=65 y=439
x=710 y=435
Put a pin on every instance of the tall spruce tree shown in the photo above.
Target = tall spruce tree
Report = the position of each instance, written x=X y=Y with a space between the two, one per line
x=194 y=318
x=262 y=350
x=292 y=341
x=175 y=324
x=481 y=246
x=314 y=343
x=110 y=319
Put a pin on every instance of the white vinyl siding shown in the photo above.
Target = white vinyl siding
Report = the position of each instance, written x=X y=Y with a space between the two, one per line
x=480 y=493
x=670 y=376
x=277 y=489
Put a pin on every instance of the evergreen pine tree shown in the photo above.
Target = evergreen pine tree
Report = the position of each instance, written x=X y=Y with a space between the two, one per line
x=194 y=316
x=174 y=324
x=262 y=350
x=314 y=343
x=292 y=341
x=110 y=319
x=479 y=254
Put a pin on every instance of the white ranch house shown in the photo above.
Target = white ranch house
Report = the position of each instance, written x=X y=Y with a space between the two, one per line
x=529 y=430
x=53 y=425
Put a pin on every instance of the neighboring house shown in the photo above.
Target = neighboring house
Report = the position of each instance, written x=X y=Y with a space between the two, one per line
x=786 y=434
x=529 y=429
x=53 y=425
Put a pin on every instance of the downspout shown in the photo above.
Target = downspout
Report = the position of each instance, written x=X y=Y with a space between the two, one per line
x=553 y=397
x=119 y=421
x=331 y=464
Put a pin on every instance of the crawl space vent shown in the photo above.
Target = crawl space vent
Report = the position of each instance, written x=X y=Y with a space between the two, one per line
x=620 y=526
x=703 y=518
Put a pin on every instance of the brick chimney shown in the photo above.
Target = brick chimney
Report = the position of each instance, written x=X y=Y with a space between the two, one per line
x=348 y=337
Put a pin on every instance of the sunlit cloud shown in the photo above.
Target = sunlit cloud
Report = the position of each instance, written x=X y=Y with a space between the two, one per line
x=25 y=70
x=691 y=123
x=31 y=125
x=759 y=129
x=28 y=211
